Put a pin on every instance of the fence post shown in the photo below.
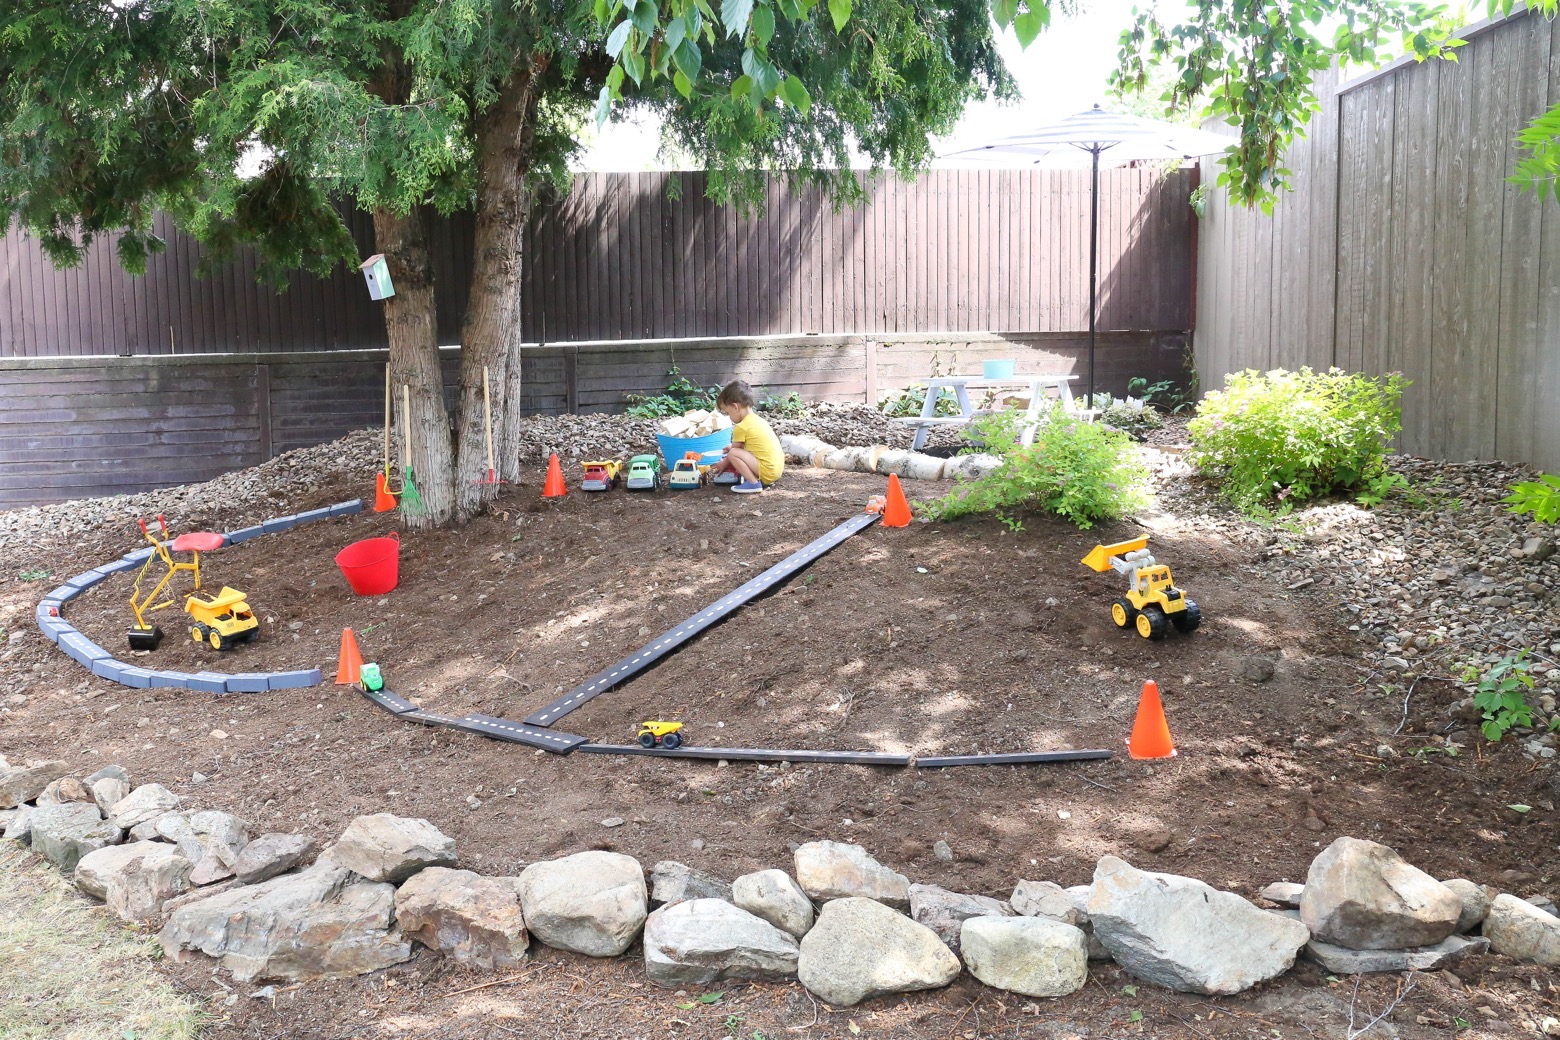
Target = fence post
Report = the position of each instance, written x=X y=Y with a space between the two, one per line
x=571 y=380
x=870 y=352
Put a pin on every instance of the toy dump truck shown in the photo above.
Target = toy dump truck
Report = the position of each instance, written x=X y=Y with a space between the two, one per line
x=1152 y=603
x=644 y=473
x=222 y=621
x=687 y=474
x=660 y=734
x=601 y=475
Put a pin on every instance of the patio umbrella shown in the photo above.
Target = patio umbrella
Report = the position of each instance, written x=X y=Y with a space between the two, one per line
x=1116 y=139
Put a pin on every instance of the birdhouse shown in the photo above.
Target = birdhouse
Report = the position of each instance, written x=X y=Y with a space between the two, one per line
x=377 y=273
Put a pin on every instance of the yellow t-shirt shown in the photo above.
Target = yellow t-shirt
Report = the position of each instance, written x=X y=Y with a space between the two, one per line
x=754 y=434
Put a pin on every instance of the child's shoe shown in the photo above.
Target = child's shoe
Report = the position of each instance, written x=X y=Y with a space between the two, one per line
x=748 y=487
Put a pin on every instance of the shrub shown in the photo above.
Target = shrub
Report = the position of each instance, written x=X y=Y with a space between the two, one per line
x=1540 y=497
x=681 y=395
x=1082 y=471
x=912 y=399
x=1130 y=415
x=1285 y=437
x=791 y=406
x=1500 y=694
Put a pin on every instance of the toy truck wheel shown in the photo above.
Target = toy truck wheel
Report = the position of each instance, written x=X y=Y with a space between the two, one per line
x=647 y=740
x=1152 y=623
x=199 y=632
x=671 y=740
x=1121 y=612
x=1187 y=620
x=217 y=642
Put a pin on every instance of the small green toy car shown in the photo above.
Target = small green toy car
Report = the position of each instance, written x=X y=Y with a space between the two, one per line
x=644 y=473
x=369 y=676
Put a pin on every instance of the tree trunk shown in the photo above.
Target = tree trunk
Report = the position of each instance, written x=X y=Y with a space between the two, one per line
x=489 y=335
x=414 y=363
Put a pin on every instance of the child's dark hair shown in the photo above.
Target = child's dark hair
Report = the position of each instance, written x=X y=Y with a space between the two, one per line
x=736 y=392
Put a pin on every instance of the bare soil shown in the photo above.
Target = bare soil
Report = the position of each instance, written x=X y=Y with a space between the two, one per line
x=949 y=638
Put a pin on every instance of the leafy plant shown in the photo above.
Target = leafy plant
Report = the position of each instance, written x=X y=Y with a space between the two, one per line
x=1540 y=497
x=1378 y=487
x=1145 y=391
x=1082 y=471
x=912 y=399
x=1132 y=416
x=1501 y=694
x=791 y=406
x=1284 y=437
x=681 y=395
x=32 y=574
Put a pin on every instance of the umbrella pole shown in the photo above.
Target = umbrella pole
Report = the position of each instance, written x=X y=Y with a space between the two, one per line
x=1094 y=240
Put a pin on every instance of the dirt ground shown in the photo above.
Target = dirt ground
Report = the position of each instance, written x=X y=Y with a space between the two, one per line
x=949 y=638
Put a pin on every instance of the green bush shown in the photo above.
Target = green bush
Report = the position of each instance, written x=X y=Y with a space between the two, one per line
x=681 y=395
x=1540 y=497
x=1084 y=472
x=912 y=399
x=1285 y=437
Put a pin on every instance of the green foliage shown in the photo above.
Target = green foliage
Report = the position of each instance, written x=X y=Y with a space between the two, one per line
x=1130 y=415
x=681 y=395
x=1500 y=694
x=1279 y=438
x=1081 y=471
x=912 y=399
x=33 y=574
x=1540 y=497
x=791 y=406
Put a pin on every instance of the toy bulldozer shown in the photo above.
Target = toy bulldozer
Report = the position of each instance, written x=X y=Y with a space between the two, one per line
x=1152 y=603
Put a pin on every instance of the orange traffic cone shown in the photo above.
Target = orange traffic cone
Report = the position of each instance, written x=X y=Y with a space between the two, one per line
x=384 y=501
x=554 y=487
x=351 y=662
x=1151 y=732
x=896 y=512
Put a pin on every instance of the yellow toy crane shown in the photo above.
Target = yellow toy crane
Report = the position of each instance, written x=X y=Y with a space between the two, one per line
x=1152 y=603
x=143 y=634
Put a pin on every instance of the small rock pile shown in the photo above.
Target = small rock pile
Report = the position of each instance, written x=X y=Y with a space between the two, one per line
x=389 y=884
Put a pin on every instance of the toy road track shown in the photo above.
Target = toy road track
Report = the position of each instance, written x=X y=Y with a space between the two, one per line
x=668 y=641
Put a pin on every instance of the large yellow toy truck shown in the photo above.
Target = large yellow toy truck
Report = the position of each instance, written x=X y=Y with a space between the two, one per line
x=222 y=621
x=1152 y=603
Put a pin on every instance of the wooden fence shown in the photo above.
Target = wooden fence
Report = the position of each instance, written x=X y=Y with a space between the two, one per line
x=1405 y=248
x=619 y=259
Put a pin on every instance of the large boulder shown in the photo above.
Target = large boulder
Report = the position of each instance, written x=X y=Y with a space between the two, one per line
x=143 y=805
x=96 y=867
x=474 y=919
x=1364 y=896
x=315 y=924
x=859 y=948
x=270 y=855
x=591 y=902
x=1185 y=935
x=1033 y=956
x=140 y=887
x=833 y=870
x=1521 y=930
x=698 y=941
x=772 y=895
x=62 y=834
x=1341 y=960
x=384 y=847
x=1476 y=901
x=945 y=912
x=20 y=784
x=672 y=882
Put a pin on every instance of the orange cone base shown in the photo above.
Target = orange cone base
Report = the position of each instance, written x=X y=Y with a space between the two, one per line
x=896 y=511
x=554 y=488
x=348 y=670
x=1151 y=731
x=384 y=501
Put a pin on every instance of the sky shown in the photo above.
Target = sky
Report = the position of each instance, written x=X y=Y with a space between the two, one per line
x=1063 y=71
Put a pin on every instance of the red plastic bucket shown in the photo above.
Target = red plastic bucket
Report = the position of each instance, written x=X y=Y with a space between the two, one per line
x=373 y=566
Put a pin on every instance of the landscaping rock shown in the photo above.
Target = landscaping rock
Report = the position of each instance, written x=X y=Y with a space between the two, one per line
x=270 y=855
x=142 y=805
x=832 y=870
x=20 y=784
x=1343 y=961
x=945 y=912
x=211 y=840
x=859 y=948
x=19 y=827
x=1284 y=893
x=672 y=882
x=138 y=890
x=1080 y=897
x=195 y=895
x=1046 y=899
x=773 y=896
x=698 y=941
x=1518 y=929
x=1476 y=901
x=1033 y=956
x=108 y=791
x=1364 y=896
x=591 y=902
x=116 y=772
x=474 y=919
x=315 y=924
x=1180 y=933
x=383 y=847
x=62 y=834
x=65 y=789
x=95 y=868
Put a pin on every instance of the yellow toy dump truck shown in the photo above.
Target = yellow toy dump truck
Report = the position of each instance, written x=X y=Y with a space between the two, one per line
x=222 y=621
x=655 y=734
x=1152 y=603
